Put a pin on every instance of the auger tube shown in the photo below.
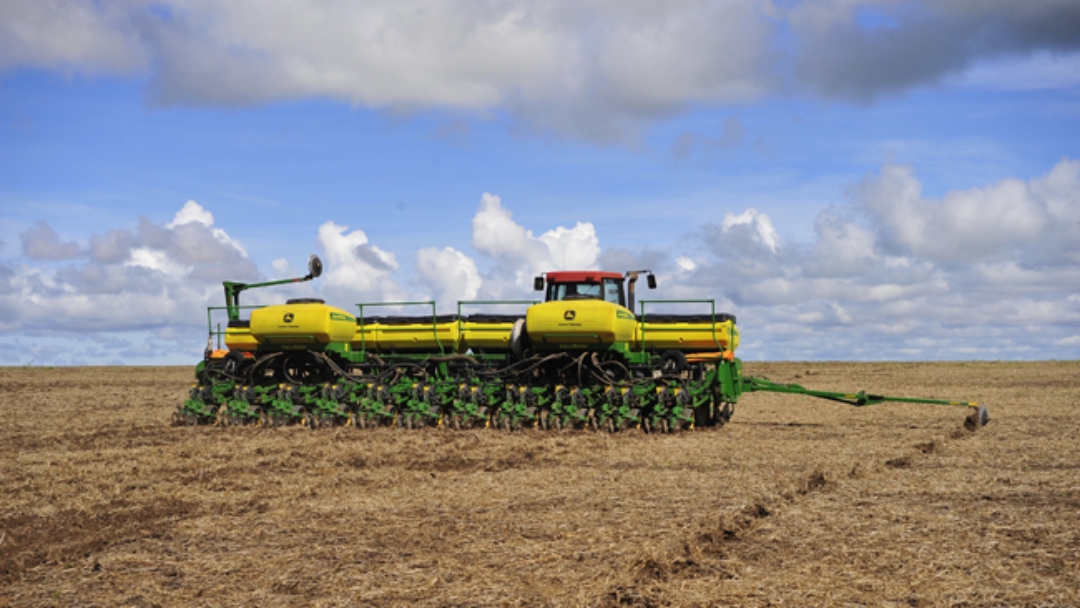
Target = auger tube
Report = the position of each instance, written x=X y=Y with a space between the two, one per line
x=233 y=288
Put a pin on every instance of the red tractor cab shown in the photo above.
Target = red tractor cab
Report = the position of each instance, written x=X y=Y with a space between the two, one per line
x=591 y=285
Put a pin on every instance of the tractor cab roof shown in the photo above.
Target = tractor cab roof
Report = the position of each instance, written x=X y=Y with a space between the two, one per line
x=581 y=276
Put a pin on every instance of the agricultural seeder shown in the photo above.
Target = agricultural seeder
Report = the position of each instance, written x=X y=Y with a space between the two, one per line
x=580 y=358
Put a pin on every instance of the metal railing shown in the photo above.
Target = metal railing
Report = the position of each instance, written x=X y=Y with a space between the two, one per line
x=219 y=333
x=712 y=312
x=434 y=319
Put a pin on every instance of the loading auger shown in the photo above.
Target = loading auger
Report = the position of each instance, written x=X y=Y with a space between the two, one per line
x=578 y=358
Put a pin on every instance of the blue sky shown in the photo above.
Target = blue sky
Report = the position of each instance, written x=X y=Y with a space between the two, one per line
x=865 y=180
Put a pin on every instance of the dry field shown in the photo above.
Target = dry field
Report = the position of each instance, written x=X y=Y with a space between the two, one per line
x=796 y=502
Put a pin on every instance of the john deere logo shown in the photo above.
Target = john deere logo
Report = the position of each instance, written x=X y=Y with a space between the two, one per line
x=569 y=315
x=288 y=317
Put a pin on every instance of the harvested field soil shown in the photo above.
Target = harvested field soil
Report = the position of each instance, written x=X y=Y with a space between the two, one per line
x=795 y=502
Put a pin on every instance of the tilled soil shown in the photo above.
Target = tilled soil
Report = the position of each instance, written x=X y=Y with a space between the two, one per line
x=795 y=502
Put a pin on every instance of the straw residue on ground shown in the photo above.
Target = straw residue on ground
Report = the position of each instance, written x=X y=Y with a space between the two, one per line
x=796 y=501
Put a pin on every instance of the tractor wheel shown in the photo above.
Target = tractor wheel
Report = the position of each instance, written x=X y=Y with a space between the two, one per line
x=702 y=416
x=234 y=363
x=727 y=410
x=673 y=362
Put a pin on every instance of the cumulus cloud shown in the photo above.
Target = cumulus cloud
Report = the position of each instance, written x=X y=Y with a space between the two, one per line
x=747 y=243
x=1010 y=218
x=112 y=247
x=843 y=248
x=450 y=273
x=983 y=272
x=154 y=276
x=357 y=270
x=992 y=268
x=41 y=242
x=596 y=70
x=519 y=254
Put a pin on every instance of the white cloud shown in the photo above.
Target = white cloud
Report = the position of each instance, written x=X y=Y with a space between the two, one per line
x=1006 y=219
x=450 y=273
x=762 y=228
x=191 y=212
x=194 y=213
x=874 y=283
x=41 y=242
x=842 y=248
x=356 y=270
x=497 y=235
x=572 y=248
x=988 y=272
x=156 y=276
x=596 y=69
x=520 y=255
x=282 y=268
x=72 y=35
x=158 y=260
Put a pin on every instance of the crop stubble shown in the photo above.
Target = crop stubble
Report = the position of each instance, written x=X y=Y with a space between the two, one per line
x=795 y=502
